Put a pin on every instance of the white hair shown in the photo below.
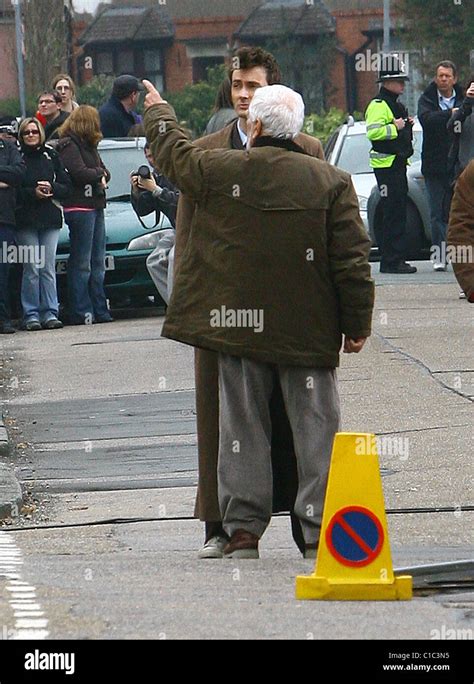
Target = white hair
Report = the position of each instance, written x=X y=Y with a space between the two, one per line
x=280 y=110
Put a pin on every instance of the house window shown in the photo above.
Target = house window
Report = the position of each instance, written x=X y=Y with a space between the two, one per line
x=125 y=62
x=104 y=63
x=153 y=66
x=201 y=65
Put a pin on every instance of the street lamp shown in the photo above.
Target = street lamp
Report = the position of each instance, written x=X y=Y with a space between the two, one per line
x=386 y=27
x=19 y=56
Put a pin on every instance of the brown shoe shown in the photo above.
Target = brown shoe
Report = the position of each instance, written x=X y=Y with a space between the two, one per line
x=242 y=544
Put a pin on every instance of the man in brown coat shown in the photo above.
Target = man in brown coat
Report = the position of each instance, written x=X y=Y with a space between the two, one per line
x=461 y=231
x=274 y=274
x=252 y=68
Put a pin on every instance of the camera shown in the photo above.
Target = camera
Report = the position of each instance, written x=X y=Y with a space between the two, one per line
x=143 y=172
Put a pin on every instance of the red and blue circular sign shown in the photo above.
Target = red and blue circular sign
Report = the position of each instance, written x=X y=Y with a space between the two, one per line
x=354 y=536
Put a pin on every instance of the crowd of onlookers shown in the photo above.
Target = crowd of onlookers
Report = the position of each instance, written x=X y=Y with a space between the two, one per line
x=50 y=169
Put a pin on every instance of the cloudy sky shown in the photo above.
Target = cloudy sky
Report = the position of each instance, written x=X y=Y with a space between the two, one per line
x=85 y=5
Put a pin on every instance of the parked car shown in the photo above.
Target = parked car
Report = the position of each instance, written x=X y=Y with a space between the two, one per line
x=348 y=148
x=128 y=242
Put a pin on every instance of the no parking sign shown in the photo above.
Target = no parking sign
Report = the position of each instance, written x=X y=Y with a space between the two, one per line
x=355 y=536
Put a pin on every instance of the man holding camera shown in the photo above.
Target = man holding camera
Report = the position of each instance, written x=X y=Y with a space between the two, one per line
x=390 y=130
x=12 y=171
x=152 y=192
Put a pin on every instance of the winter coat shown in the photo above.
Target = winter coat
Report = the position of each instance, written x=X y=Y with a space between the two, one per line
x=42 y=163
x=275 y=232
x=51 y=128
x=12 y=172
x=86 y=169
x=145 y=202
x=436 y=141
x=461 y=128
x=115 y=121
x=461 y=230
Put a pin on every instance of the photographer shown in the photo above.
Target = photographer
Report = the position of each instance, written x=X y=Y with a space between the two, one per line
x=461 y=128
x=152 y=192
x=12 y=172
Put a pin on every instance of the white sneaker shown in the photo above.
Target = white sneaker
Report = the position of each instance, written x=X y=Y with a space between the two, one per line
x=213 y=548
x=462 y=295
x=439 y=266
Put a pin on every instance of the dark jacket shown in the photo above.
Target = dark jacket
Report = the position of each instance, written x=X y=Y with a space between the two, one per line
x=51 y=129
x=461 y=129
x=145 y=202
x=115 y=121
x=461 y=230
x=42 y=163
x=264 y=241
x=12 y=172
x=436 y=141
x=86 y=169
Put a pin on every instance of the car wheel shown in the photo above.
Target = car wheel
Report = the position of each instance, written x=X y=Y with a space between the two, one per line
x=416 y=240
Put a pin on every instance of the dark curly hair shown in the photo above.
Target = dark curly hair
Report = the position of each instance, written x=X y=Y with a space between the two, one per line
x=249 y=57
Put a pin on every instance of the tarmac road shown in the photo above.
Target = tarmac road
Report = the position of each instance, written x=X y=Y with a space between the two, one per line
x=104 y=426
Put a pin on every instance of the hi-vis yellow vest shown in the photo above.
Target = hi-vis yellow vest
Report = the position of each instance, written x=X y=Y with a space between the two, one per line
x=378 y=119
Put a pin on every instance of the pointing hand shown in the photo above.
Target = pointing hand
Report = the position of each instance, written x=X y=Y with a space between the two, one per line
x=153 y=97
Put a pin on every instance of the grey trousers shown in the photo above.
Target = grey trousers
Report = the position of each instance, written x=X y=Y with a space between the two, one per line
x=160 y=264
x=244 y=467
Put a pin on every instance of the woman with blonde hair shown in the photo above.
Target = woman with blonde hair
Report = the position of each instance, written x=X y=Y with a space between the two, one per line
x=84 y=214
x=39 y=220
x=64 y=84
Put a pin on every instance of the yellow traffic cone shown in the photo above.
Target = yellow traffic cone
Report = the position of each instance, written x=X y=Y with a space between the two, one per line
x=354 y=561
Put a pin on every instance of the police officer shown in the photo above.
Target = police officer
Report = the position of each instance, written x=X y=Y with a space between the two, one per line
x=390 y=130
x=12 y=171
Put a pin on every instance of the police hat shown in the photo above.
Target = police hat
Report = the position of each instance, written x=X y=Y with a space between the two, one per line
x=392 y=69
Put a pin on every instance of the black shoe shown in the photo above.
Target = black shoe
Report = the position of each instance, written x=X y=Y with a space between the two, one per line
x=53 y=324
x=103 y=319
x=400 y=267
x=32 y=326
x=6 y=328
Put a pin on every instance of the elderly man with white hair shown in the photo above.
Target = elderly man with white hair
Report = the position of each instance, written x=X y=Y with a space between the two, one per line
x=275 y=278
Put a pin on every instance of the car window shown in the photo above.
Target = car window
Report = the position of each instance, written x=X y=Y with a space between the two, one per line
x=354 y=153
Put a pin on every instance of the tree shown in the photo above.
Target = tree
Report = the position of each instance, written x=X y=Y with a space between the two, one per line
x=439 y=29
x=45 y=36
x=194 y=104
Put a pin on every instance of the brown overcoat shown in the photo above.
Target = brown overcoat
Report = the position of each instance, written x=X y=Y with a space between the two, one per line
x=461 y=230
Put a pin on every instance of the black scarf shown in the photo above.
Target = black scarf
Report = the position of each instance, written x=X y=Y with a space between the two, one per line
x=285 y=143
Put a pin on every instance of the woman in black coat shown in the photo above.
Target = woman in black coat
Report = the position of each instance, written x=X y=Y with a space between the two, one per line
x=39 y=219
x=84 y=215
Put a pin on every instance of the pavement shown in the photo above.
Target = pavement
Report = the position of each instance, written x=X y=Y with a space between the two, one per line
x=104 y=445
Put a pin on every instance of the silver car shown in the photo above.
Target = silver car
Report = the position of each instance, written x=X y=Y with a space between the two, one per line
x=348 y=148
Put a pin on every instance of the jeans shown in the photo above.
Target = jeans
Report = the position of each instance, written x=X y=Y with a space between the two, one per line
x=86 y=266
x=7 y=238
x=39 y=297
x=393 y=186
x=439 y=190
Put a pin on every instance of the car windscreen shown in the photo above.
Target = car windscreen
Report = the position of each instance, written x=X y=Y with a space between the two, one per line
x=354 y=153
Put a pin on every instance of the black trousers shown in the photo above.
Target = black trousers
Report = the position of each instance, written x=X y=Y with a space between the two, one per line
x=7 y=236
x=393 y=186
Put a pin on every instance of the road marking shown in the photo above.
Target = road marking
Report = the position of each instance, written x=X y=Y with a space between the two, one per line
x=30 y=622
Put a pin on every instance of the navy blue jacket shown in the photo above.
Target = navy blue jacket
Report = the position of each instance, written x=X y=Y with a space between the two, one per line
x=12 y=172
x=436 y=141
x=115 y=121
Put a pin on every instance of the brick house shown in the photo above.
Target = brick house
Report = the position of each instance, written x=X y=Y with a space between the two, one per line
x=172 y=42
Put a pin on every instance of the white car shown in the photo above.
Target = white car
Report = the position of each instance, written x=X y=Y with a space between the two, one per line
x=348 y=148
